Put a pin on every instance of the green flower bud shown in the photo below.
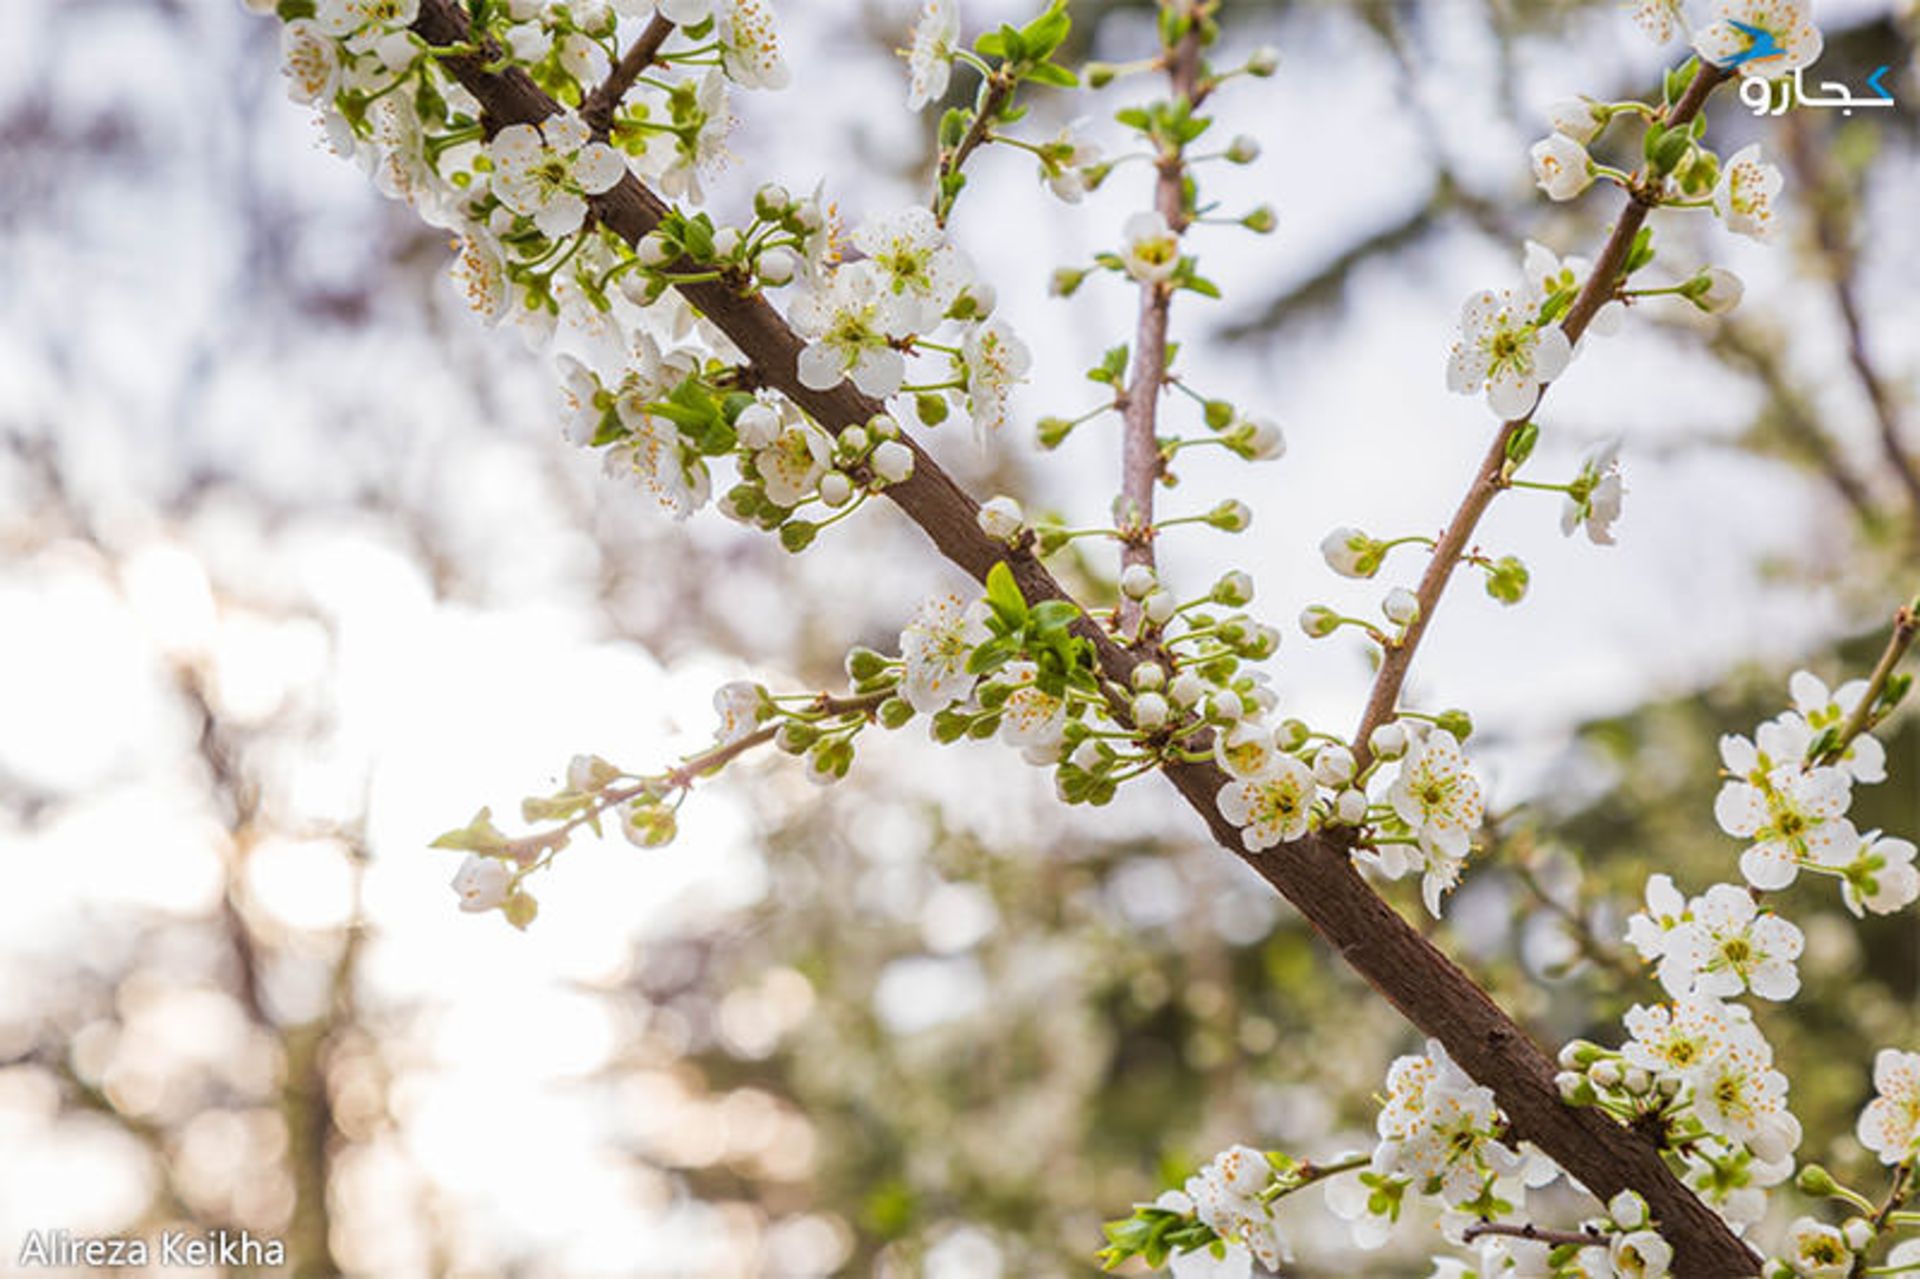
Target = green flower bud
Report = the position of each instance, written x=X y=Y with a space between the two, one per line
x=1066 y=280
x=1261 y=221
x=1507 y=580
x=1319 y=621
x=1053 y=431
x=1231 y=516
x=864 y=664
x=521 y=910
x=895 y=712
x=1233 y=589
x=1457 y=722
x=798 y=535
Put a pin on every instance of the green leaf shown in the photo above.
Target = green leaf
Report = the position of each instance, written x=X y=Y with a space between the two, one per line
x=1053 y=74
x=1044 y=34
x=1003 y=596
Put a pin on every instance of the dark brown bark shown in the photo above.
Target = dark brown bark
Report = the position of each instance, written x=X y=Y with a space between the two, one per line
x=1315 y=874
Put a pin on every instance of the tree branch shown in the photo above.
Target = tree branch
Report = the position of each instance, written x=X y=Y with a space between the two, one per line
x=1447 y=553
x=1141 y=464
x=597 y=111
x=1315 y=874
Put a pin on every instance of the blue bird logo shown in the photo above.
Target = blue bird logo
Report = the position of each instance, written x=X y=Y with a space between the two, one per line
x=1761 y=43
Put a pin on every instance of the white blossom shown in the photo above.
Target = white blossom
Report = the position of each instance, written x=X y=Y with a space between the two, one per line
x=1149 y=248
x=1031 y=718
x=1659 y=19
x=479 y=274
x=750 y=45
x=1246 y=750
x=1666 y=909
x=935 y=646
x=1793 y=814
x=1272 y=809
x=1225 y=1195
x=1594 y=498
x=482 y=883
x=1064 y=162
x=1561 y=166
x=1738 y=1095
x=651 y=455
x=791 y=466
x=930 y=54
x=310 y=61
x=850 y=323
x=1436 y=795
x=546 y=171
x=1744 y=196
x=1890 y=1124
x=737 y=704
x=1788 y=22
x=921 y=271
x=1437 y=1128
x=1816 y=1250
x=1881 y=878
x=365 y=20
x=1640 y=1254
x=1865 y=757
x=1729 y=945
x=996 y=359
x=1502 y=352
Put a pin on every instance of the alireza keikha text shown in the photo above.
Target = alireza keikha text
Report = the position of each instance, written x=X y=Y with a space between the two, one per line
x=170 y=1248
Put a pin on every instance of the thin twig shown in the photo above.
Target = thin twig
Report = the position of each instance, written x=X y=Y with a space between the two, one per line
x=1141 y=462
x=1906 y=622
x=597 y=111
x=1487 y=483
x=1577 y=1238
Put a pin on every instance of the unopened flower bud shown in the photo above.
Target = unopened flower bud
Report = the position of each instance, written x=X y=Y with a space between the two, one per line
x=1291 y=735
x=1186 y=689
x=806 y=215
x=1138 y=582
x=1858 y=1232
x=758 y=425
x=1605 y=1073
x=1333 y=765
x=777 y=265
x=1319 y=621
x=1160 y=607
x=1150 y=711
x=1149 y=677
x=726 y=242
x=1401 y=606
x=1230 y=516
x=1002 y=519
x=1628 y=1210
x=771 y=201
x=482 y=883
x=1065 y=281
x=1264 y=61
x=1350 y=807
x=1351 y=553
x=1388 y=741
x=835 y=488
x=1243 y=150
x=892 y=461
x=1226 y=705
x=653 y=250
x=1261 y=220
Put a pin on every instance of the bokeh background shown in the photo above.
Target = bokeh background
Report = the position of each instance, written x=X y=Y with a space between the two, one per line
x=296 y=572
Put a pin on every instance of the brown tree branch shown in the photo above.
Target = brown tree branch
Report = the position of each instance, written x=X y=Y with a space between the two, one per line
x=1490 y=480
x=1315 y=874
x=1141 y=463
x=597 y=111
